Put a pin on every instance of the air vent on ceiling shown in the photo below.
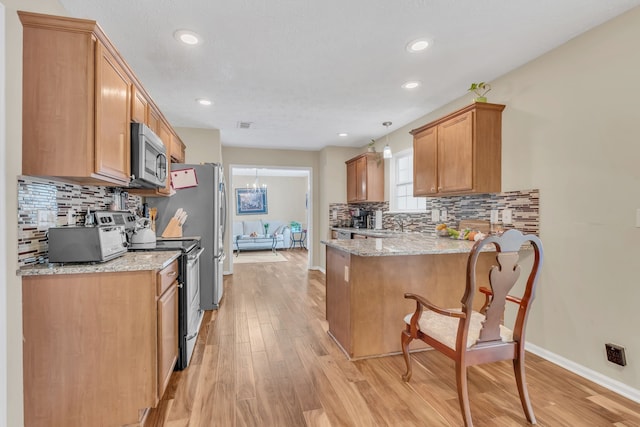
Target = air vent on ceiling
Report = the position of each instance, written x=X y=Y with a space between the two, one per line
x=245 y=125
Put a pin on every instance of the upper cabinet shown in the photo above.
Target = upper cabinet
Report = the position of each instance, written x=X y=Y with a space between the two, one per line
x=365 y=178
x=79 y=99
x=459 y=153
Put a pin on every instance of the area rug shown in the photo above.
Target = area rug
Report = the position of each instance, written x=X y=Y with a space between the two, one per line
x=258 y=256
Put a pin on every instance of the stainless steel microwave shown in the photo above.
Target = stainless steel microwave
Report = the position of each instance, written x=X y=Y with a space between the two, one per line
x=149 y=163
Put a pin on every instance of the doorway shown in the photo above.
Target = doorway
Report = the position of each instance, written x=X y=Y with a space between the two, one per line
x=287 y=198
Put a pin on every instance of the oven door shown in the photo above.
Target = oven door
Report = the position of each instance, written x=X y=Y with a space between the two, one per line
x=192 y=295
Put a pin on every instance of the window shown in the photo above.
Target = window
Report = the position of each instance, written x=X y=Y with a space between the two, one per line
x=401 y=184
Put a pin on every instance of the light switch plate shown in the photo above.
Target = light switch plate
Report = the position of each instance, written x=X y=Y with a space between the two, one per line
x=506 y=216
x=443 y=215
x=435 y=215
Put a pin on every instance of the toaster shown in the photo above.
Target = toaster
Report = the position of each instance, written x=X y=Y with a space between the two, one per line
x=86 y=244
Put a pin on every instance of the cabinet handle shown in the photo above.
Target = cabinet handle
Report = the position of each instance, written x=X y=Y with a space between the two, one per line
x=439 y=188
x=172 y=273
x=433 y=188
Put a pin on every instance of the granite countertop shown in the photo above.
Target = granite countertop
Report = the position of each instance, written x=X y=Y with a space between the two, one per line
x=130 y=261
x=400 y=243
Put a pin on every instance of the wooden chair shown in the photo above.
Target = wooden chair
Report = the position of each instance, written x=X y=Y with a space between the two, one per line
x=470 y=337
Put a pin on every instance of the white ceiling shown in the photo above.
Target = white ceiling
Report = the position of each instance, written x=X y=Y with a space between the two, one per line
x=302 y=71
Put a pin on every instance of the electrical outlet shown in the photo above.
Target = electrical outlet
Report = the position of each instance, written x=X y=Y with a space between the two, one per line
x=494 y=216
x=46 y=219
x=334 y=215
x=506 y=216
x=443 y=215
x=435 y=215
x=615 y=354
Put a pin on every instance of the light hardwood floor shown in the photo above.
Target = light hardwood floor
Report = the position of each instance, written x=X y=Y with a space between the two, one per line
x=265 y=359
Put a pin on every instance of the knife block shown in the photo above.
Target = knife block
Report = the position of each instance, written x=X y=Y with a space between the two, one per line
x=173 y=229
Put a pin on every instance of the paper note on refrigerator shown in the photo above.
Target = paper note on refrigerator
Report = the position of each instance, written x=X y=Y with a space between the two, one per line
x=183 y=178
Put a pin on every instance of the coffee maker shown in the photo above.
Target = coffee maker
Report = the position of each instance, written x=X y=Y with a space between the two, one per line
x=360 y=218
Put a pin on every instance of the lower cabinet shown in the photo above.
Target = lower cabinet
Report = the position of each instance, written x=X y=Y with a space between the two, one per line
x=167 y=336
x=98 y=348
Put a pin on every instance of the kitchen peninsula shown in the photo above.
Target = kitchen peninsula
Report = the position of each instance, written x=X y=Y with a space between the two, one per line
x=367 y=280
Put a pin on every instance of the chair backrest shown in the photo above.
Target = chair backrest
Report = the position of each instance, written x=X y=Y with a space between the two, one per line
x=502 y=278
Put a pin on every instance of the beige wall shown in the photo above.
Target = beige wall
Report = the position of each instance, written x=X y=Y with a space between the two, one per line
x=570 y=130
x=286 y=198
x=203 y=145
x=333 y=185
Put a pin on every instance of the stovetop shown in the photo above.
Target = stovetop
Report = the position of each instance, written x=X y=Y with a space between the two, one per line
x=172 y=244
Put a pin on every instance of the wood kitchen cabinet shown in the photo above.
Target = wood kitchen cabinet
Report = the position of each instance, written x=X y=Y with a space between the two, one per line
x=365 y=178
x=76 y=102
x=177 y=150
x=98 y=347
x=459 y=153
x=167 y=321
x=79 y=99
x=139 y=106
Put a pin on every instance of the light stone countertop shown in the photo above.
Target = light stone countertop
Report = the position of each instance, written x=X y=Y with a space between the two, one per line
x=400 y=243
x=130 y=261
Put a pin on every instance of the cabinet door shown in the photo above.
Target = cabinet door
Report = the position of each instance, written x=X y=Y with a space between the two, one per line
x=351 y=182
x=167 y=336
x=425 y=162
x=361 y=179
x=455 y=154
x=153 y=118
x=113 y=112
x=338 y=301
x=138 y=106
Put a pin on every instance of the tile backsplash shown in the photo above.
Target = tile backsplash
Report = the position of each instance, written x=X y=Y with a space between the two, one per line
x=37 y=195
x=524 y=205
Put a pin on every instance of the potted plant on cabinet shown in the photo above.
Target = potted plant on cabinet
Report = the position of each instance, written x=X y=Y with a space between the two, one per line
x=480 y=89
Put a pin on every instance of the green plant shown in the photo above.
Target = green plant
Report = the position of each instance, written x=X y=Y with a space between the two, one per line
x=481 y=89
x=295 y=226
x=372 y=145
x=266 y=228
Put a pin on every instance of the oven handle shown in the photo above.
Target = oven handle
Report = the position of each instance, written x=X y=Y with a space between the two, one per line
x=196 y=255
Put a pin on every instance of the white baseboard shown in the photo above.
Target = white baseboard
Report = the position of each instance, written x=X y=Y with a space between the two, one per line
x=317 y=267
x=598 y=378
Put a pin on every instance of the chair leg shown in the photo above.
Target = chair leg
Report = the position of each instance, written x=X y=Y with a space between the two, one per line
x=406 y=339
x=463 y=394
x=521 y=381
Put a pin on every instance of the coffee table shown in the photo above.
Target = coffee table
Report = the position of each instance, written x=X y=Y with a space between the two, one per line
x=261 y=238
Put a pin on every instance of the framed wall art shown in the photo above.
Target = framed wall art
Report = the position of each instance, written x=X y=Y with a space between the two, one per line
x=251 y=202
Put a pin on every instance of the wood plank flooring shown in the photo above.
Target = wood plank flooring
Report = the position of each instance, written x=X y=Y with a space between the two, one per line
x=265 y=359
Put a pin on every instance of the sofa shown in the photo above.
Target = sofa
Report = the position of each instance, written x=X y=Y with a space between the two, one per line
x=244 y=230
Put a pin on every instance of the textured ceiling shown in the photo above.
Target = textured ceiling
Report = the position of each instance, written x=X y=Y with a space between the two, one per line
x=301 y=71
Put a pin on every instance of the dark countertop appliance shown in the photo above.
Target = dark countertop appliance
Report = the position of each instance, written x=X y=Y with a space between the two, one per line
x=86 y=244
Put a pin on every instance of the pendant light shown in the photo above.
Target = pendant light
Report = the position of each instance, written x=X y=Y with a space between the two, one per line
x=386 y=153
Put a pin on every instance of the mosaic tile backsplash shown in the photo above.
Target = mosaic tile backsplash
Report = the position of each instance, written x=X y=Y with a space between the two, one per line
x=525 y=206
x=38 y=195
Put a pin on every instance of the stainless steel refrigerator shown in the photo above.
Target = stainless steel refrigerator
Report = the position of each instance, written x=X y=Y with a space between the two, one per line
x=206 y=207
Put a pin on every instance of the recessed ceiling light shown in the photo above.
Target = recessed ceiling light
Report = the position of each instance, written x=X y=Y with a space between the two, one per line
x=187 y=37
x=343 y=134
x=203 y=101
x=417 y=45
x=411 y=85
